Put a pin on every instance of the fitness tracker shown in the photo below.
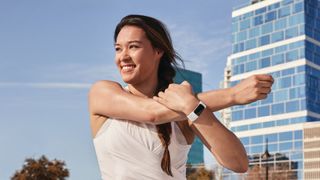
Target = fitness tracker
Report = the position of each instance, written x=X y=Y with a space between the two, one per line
x=196 y=112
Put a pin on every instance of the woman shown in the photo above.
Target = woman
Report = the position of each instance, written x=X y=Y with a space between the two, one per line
x=142 y=131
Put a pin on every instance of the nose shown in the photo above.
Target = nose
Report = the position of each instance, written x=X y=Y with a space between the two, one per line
x=124 y=55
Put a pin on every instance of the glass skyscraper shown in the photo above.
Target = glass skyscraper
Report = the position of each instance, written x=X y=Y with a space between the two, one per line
x=195 y=156
x=280 y=38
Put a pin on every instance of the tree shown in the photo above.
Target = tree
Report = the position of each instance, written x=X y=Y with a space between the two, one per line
x=199 y=174
x=42 y=169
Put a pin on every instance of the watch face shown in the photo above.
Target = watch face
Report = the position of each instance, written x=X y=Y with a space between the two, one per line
x=199 y=109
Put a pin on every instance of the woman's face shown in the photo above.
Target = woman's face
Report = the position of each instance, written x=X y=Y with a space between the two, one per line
x=135 y=57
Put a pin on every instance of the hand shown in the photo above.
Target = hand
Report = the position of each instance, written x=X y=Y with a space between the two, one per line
x=178 y=97
x=251 y=89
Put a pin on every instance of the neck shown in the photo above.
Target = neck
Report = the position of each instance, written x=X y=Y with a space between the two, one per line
x=143 y=90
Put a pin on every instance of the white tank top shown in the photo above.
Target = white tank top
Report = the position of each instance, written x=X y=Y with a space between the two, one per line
x=131 y=150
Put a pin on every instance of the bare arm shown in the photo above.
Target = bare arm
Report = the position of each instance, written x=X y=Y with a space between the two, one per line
x=109 y=99
x=223 y=144
x=251 y=89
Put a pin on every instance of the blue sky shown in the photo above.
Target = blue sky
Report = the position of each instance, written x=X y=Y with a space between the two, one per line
x=52 y=51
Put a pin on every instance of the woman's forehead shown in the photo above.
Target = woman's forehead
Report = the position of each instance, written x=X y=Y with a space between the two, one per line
x=130 y=34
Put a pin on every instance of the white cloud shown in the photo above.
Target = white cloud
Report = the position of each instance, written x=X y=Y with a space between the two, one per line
x=58 y=85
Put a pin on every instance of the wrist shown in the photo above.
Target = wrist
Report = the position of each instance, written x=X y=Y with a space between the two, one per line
x=231 y=96
x=191 y=104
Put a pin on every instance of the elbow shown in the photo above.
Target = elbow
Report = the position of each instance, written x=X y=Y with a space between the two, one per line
x=151 y=118
x=241 y=165
x=242 y=168
x=237 y=164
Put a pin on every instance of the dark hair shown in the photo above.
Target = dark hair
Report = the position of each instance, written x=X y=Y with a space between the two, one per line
x=159 y=37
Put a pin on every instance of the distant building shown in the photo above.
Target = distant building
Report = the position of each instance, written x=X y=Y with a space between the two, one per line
x=281 y=38
x=195 y=156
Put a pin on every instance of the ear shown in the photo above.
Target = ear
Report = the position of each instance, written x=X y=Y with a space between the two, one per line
x=159 y=53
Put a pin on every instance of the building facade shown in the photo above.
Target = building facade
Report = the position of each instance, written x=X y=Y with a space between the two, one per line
x=280 y=38
x=195 y=156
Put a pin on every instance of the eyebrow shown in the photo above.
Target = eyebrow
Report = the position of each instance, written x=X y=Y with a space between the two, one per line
x=129 y=42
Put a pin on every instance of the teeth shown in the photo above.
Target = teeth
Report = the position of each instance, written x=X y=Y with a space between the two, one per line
x=127 y=67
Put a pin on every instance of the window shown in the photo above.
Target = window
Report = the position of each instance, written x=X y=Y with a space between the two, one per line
x=250 y=44
x=277 y=36
x=250 y=66
x=244 y=24
x=295 y=156
x=297 y=144
x=254 y=56
x=292 y=55
x=299 y=79
x=263 y=111
x=264 y=40
x=268 y=124
x=277 y=108
x=258 y=20
x=285 y=2
x=285 y=11
x=292 y=32
x=296 y=19
x=280 y=24
x=273 y=147
x=297 y=120
x=242 y=36
x=281 y=49
x=250 y=113
x=255 y=126
x=282 y=122
x=245 y=140
x=267 y=28
x=256 y=149
x=271 y=16
x=293 y=93
x=296 y=45
x=287 y=71
x=235 y=27
x=277 y=59
x=285 y=136
x=272 y=137
x=265 y=62
x=285 y=82
x=254 y=32
x=273 y=6
x=281 y=95
x=256 y=140
x=260 y=11
x=243 y=128
x=267 y=52
x=298 y=7
x=292 y=106
x=285 y=146
x=237 y=115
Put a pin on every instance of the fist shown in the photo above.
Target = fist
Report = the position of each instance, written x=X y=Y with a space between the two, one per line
x=178 y=97
x=253 y=88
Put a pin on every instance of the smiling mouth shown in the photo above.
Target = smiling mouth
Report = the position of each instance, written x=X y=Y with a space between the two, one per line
x=127 y=68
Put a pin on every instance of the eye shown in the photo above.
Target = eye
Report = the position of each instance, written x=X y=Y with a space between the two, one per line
x=117 y=49
x=133 y=46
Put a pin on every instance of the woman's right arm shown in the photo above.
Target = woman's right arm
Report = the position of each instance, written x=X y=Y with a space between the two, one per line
x=109 y=99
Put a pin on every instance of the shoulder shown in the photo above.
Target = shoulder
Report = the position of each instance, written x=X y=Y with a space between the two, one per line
x=104 y=86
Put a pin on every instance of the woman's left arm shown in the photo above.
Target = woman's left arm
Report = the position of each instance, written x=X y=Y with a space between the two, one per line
x=222 y=143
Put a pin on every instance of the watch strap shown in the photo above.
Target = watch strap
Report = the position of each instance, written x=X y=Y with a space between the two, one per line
x=196 y=112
